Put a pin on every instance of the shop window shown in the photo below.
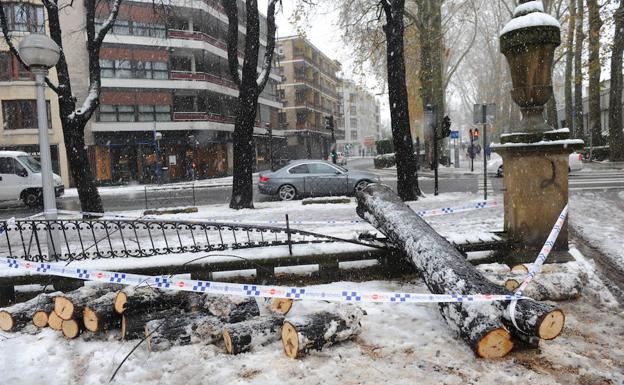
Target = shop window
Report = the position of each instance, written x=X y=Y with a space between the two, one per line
x=21 y=114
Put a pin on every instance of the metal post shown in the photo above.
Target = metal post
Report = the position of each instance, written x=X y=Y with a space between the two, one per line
x=158 y=163
x=47 y=178
x=288 y=234
x=472 y=155
x=435 y=150
x=484 y=115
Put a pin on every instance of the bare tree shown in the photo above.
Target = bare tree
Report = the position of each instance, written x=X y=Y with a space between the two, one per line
x=569 y=62
x=578 y=131
x=73 y=117
x=250 y=84
x=616 y=136
x=594 y=67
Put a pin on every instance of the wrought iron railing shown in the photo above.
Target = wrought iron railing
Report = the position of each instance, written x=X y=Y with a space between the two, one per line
x=79 y=239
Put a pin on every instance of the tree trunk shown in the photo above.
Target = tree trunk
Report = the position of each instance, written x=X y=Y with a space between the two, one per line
x=319 y=330
x=16 y=317
x=595 y=23
x=99 y=314
x=149 y=299
x=560 y=286
x=551 y=112
x=182 y=329
x=579 y=131
x=569 y=62
x=407 y=183
x=243 y=146
x=133 y=322
x=230 y=309
x=446 y=271
x=242 y=336
x=71 y=305
x=40 y=317
x=616 y=135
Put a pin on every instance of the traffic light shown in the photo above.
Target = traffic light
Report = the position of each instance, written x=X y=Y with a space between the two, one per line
x=446 y=127
x=329 y=123
x=476 y=133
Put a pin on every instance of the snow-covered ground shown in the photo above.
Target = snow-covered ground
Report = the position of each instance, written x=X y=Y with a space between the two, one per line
x=399 y=344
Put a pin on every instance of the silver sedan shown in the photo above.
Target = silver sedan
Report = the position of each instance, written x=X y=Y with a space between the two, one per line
x=313 y=178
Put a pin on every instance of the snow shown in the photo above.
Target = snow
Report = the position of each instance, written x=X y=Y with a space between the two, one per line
x=560 y=142
x=535 y=19
x=528 y=7
x=398 y=344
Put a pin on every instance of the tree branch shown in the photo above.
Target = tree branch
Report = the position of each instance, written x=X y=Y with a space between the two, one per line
x=98 y=38
x=231 y=10
x=270 y=49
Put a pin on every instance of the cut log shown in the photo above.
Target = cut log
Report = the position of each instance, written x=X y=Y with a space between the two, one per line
x=446 y=271
x=240 y=337
x=231 y=309
x=71 y=328
x=16 y=317
x=319 y=330
x=182 y=329
x=519 y=269
x=559 y=286
x=151 y=299
x=133 y=322
x=280 y=305
x=99 y=314
x=54 y=321
x=70 y=305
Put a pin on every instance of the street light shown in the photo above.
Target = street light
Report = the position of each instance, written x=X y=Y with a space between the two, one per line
x=157 y=138
x=39 y=53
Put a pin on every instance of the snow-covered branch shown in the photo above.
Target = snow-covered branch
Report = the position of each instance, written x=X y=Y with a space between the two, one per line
x=270 y=50
x=108 y=24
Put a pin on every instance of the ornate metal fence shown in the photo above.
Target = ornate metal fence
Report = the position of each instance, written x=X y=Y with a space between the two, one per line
x=63 y=240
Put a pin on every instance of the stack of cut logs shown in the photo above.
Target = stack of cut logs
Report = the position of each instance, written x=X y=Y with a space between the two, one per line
x=167 y=318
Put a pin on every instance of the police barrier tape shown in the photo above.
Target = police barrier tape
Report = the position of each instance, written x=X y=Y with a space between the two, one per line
x=479 y=205
x=536 y=267
x=245 y=290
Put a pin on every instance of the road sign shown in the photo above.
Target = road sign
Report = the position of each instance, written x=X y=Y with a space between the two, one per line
x=454 y=134
x=490 y=112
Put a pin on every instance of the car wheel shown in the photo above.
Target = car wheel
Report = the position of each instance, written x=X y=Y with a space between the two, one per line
x=32 y=198
x=287 y=192
x=361 y=185
x=499 y=172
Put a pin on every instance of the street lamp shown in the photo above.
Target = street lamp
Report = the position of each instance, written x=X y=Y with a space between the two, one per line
x=39 y=53
x=157 y=138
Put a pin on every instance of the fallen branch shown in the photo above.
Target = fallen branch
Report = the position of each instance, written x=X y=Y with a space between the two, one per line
x=242 y=336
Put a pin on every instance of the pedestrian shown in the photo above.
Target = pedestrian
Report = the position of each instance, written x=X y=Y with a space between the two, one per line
x=488 y=152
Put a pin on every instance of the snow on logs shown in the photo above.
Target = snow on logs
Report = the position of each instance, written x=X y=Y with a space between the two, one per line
x=241 y=337
x=16 y=317
x=482 y=325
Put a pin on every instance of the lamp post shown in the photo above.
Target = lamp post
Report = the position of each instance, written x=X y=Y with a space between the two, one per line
x=157 y=138
x=39 y=52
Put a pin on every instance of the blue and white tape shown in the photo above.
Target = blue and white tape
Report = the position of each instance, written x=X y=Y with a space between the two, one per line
x=536 y=267
x=245 y=290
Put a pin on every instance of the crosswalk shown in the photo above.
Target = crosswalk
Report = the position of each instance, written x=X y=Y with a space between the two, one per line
x=597 y=180
x=490 y=188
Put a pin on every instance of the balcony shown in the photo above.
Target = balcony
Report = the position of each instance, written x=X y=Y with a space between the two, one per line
x=200 y=116
x=202 y=76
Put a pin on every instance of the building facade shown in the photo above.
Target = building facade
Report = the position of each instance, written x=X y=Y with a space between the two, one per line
x=18 y=110
x=361 y=120
x=166 y=92
x=309 y=92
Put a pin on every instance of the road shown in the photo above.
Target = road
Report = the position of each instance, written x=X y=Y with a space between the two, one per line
x=449 y=181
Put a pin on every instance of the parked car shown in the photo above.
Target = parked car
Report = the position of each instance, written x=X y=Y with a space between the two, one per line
x=20 y=179
x=313 y=178
x=495 y=165
x=341 y=159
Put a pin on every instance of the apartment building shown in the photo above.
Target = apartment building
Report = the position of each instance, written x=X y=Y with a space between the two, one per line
x=309 y=92
x=361 y=120
x=19 y=129
x=166 y=91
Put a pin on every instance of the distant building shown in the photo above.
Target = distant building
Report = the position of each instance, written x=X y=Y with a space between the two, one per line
x=604 y=112
x=309 y=92
x=165 y=70
x=361 y=120
x=19 y=129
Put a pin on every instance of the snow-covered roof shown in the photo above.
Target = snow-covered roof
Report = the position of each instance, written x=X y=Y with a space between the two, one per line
x=535 y=19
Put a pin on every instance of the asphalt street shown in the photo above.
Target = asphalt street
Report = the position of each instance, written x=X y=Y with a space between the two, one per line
x=449 y=181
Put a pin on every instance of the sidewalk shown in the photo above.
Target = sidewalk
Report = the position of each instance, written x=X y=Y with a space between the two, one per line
x=604 y=165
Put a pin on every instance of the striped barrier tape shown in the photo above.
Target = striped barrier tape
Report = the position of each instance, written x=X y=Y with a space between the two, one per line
x=422 y=213
x=245 y=290
x=536 y=267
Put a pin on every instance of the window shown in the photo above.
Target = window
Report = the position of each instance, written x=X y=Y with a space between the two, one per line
x=30 y=162
x=107 y=113
x=121 y=27
x=300 y=169
x=353 y=122
x=140 y=29
x=107 y=68
x=150 y=113
x=141 y=113
x=143 y=69
x=163 y=113
x=6 y=166
x=320 y=168
x=353 y=110
x=146 y=114
x=21 y=114
x=123 y=69
x=354 y=135
x=24 y=17
x=125 y=113
x=160 y=70
x=11 y=69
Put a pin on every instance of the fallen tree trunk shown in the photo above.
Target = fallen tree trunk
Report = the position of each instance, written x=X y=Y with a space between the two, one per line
x=16 y=317
x=99 y=314
x=546 y=287
x=318 y=330
x=182 y=329
x=230 y=309
x=446 y=271
x=133 y=323
x=241 y=337
x=70 y=305
x=150 y=299
x=280 y=305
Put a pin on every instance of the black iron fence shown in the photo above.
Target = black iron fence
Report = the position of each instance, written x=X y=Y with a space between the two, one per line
x=77 y=239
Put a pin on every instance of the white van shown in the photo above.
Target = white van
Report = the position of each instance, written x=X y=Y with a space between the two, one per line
x=20 y=179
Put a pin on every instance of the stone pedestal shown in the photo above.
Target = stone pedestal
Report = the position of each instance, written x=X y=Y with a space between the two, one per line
x=536 y=190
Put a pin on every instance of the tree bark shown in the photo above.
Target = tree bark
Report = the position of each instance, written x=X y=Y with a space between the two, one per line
x=560 y=286
x=16 y=317
x=579 y=131
x=99 y=314
x=71 y=305
x=569 y=63
x=407 y=183
x=242 y=336
x=319 y=330
x=182 y=329
x=230 y=309
x=149 y=299
x=616 y=135
x=594 y=65
x=446 y=271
